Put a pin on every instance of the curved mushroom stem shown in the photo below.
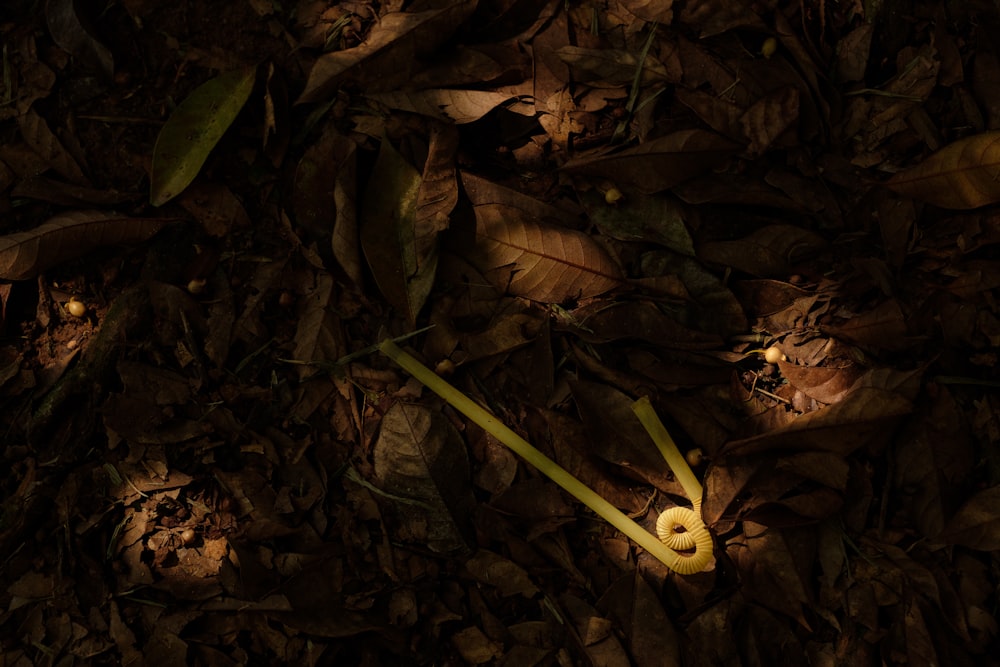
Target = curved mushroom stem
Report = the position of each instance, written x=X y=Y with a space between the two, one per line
x=550 y=468
x=695 y=531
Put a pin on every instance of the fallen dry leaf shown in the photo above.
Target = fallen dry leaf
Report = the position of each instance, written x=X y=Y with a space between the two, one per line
x=842 y=427
x=421 y=462
x=769 y=251
x=445 y=104
x=659 y=164
x=540 y=262
x=68 y=236
x=977 y=523
x=962 y=175
x=72 y=35
x=46 y=144
x=391 y=52
x=389 y=233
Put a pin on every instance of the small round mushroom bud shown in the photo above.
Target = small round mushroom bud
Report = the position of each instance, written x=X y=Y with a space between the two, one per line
x=76 y=308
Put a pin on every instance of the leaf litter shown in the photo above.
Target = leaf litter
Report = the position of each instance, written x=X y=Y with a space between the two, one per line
x=587 y=208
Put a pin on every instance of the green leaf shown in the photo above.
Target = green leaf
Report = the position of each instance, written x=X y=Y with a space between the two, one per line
x=388 y=233
x=194 y=129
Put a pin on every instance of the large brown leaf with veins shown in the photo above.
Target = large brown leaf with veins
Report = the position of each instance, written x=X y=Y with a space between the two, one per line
x=68 y=236
x=962 y=175
x=537 y=261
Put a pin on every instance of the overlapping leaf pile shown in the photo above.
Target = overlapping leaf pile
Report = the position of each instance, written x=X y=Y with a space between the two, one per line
x=587 y=203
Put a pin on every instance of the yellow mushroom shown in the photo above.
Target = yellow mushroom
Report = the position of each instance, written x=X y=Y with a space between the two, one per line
x=76 y=308
x=695 y=534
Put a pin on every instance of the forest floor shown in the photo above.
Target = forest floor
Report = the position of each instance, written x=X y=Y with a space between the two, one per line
x=212 y=213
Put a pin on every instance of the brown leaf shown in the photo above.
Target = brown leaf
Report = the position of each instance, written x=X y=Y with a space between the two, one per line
x=389 y=234
x=617 y=436
x=714 y=17
x=68 y=236
x=323 y=197
x=215 y=207
x=638 y=611
x=639 y=320
x=934 y=459
x=650 y=10
x=773 y=564
x=70 y=33
x=614 y=67
x=771 y=250
x=540 y=262
x=881 y=327
x=962 y=175
x=494 y=570
x=390 y=54
x=445 y=104
x=421 y=460
x=318 y=336
x=438 y=192
x=825 y=384
x=37 y=134
x=659 y=164
x=768 y=118
x=977 y=523
x=842 y=427
x=68 y=194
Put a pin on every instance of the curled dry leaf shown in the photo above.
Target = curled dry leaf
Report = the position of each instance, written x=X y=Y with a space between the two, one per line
x=194 y=129
x=962 y=175
x=390 y=54
x=68 y=236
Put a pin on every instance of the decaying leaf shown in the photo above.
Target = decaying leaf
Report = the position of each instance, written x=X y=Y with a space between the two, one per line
x=769 y=251
x=389 y=233
x=774 y=568
x=68 y=236
x=444 y=104
x=651 y=10
x=390 y=53
x=842 y=427
x=71 y=34
x=318 y=336
x=614 y=67
x=39 y=136
x=977 y=523
x=648 y=217
x=962 y=175
x=421 y=460
x=617 y=436
x=659 y=164
x=193 y=130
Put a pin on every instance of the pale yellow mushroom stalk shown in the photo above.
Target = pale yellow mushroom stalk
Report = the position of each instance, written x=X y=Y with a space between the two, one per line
x=695 y=533
x=559 y=475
